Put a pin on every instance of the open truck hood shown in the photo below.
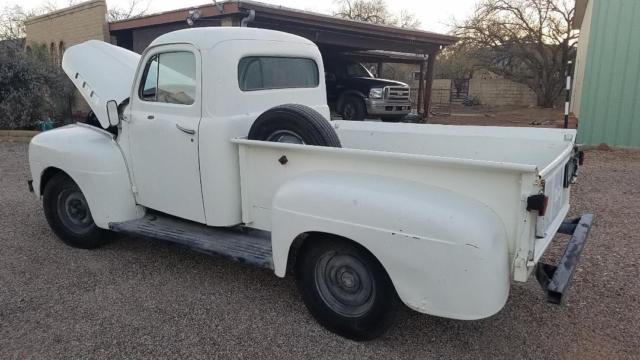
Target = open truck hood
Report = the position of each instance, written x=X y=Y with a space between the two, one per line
x=101 y=72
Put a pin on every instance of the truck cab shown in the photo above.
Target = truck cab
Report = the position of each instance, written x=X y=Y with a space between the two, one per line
x=219 y=139
x=355 y=94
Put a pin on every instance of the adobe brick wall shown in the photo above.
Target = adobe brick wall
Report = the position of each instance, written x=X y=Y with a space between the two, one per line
x=493 y=90
x=70 y=26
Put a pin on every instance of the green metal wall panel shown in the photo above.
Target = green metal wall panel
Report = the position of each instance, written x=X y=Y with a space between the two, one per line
x=610 y=106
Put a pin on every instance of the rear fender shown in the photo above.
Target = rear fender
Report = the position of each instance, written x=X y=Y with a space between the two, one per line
x=92 y=158
x=445 y=253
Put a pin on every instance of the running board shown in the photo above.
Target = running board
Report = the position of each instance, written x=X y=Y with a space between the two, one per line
x=244 y=245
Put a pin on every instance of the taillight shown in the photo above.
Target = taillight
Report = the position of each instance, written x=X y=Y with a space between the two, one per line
x=580 y=158
x=538 y=203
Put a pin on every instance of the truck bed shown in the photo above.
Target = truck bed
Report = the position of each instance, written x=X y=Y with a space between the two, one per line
x=509 y=145
x=499 y=167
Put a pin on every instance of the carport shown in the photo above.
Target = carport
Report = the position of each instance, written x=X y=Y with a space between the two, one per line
x=364 y=42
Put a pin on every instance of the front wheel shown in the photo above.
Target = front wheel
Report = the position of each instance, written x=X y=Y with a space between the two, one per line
x=353 y=108
x=346 y=289
x=392 y=118
x=68 y=214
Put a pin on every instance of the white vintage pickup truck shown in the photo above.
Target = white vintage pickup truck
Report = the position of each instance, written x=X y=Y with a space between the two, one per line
x=219 y=139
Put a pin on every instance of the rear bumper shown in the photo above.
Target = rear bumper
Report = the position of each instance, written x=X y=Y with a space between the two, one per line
x=556 y=279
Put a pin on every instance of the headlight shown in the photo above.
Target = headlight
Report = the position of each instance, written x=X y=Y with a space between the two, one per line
x=375 y=93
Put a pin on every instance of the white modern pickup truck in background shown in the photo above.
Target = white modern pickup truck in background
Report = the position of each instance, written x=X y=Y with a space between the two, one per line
x=219 y=139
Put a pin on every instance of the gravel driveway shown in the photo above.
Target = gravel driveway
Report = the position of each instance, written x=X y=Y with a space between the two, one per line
x=136 y=299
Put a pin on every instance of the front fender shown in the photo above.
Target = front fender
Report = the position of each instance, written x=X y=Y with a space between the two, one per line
x=94 y=161
x=445 y=253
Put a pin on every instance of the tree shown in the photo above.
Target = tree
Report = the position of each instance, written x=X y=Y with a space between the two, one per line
x=376 y=12
x=12 y=20
x=455 y=62
x=528 y=41
x=32 y=88
x=133 y=9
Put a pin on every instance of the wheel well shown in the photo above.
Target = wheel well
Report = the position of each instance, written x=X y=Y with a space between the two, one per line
x=47 y=175
x=303 y=240
x=345 y=96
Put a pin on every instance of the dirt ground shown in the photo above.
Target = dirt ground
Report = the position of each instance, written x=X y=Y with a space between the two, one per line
x=134 y=298
x=501 y=116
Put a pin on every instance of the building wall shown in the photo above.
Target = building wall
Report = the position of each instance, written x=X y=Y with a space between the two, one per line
x=581 y=60
x=610 y=91
x=61 y=29
x=71 y=25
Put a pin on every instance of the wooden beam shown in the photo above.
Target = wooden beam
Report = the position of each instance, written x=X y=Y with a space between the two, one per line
x=420 y=88
x=431 y=61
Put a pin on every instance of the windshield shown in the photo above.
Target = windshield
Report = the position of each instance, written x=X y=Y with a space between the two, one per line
x=357 y=70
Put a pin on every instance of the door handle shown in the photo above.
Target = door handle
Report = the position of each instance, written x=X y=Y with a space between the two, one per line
x=150 y=117
x=185 y=130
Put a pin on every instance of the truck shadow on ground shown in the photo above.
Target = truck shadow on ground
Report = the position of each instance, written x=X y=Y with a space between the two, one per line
x=233 y=283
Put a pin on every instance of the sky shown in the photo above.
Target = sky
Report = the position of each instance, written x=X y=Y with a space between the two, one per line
x=435 y=15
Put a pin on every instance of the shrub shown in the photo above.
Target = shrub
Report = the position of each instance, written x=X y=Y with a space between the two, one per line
x=32 y=89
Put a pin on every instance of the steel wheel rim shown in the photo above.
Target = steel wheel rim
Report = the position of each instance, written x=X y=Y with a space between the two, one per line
x=73 y=211
x=345 y=284
x=286 y=136
x=349 y=111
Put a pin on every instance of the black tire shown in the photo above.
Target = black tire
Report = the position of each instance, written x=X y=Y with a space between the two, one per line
x=360 y=304
x=393 y=119
x=353 y=108
x=294 y=123
x=68 y=214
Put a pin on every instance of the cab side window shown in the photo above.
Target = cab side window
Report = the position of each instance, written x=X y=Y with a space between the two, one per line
x=170 y=78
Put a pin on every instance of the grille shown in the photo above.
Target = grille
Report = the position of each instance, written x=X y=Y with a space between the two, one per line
x=397 y=93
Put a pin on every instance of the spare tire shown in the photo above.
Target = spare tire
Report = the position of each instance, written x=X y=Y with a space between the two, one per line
x=294 y=123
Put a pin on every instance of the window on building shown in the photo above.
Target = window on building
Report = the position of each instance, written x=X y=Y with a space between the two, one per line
x=170 y=78
x=267 y=72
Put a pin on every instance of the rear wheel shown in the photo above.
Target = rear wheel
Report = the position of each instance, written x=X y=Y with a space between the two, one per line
x=346 y=289
x=68 y=214
x=294 y=123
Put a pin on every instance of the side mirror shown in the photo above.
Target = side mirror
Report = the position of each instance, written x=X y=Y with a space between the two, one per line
x=112 y=113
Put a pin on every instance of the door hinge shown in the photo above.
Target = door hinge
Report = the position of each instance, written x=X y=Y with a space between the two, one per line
x=134 y=189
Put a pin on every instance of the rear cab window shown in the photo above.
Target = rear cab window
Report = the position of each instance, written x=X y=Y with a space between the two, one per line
x=269 y=72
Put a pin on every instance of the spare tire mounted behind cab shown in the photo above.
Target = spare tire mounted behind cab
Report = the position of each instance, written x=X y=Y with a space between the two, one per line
x=296 y=124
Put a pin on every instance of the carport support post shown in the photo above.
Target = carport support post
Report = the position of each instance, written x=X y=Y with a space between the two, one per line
x=431 y=61
x=379 y=74
x=420 y=88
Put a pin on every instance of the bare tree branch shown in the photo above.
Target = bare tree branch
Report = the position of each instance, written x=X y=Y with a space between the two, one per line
x=376 y=12
x=528 y=41
x=134 y=8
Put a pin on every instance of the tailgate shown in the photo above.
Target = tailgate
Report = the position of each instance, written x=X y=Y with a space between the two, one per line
x=557 y=179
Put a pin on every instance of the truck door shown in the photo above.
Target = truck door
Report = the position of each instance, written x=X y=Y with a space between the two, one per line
x=163 y=132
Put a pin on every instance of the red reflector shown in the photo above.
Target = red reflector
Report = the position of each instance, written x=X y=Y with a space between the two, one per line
x=580 y=158
x=543 y=208
x=538 y=203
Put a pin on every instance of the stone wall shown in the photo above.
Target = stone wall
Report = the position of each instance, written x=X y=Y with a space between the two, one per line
x=493 y=90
